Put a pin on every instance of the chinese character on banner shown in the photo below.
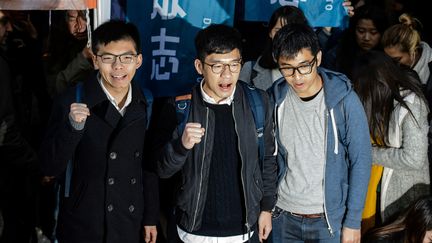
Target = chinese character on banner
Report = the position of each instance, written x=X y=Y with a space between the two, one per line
x=168 y=29
x=163 y=56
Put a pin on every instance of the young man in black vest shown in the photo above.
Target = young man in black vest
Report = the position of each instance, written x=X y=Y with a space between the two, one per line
x=226 y=195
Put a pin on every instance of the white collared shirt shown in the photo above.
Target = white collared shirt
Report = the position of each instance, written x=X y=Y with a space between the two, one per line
x=191 y=238
x=122 y=110
x=210 y=100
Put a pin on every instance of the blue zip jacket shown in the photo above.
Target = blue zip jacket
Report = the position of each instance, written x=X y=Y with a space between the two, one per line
x=348 y=149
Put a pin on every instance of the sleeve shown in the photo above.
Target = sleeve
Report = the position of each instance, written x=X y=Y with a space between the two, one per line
x=245 y=72
x=151 y=198
x=360 y=160
x=412 y=153
x=173 y=154
x=269 y=173
x=60 y=140
x=72 y=72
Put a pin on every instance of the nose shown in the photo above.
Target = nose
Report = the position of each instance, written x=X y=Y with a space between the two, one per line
x=226 y=71
x=367 y=36
x=81 y=24
x=117 y=64
x=8 y=27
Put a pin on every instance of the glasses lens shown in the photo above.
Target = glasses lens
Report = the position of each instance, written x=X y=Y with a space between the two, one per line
x=126 y=59
x=108 y=58
x=217 y=68
x=234 y=67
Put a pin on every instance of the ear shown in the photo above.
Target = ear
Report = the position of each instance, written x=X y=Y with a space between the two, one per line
x=319 y=58
x=138 y=61
x=198 y=66
x=95 y=63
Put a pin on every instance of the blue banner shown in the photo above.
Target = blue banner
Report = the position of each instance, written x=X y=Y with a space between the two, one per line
x=320 y=13
x=168 y=29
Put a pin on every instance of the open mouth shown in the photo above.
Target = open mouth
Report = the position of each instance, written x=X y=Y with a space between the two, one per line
x=225 y=86
x=118 y=77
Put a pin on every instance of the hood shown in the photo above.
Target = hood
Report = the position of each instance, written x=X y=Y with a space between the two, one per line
x=422 y=65
x=336 y=87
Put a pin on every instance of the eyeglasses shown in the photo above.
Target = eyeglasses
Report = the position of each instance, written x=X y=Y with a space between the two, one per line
x=218 y=68
x=303 y=70
x=111 y=58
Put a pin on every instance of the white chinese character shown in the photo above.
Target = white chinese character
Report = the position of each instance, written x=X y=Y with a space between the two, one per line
x=160 y=63
x=294 y=3
x=163 y=10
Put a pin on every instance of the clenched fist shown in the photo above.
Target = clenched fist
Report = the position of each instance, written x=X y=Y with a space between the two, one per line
x=192 y=134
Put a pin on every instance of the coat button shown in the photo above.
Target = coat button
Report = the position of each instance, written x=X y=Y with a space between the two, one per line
x=133 y=181
x=137 y=154
x=131 y=208
x=111 y=181
x=110 y=208
x=113 y=155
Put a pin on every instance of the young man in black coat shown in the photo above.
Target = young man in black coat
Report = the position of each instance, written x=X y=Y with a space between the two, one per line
x=112 y=195
x=225 y=195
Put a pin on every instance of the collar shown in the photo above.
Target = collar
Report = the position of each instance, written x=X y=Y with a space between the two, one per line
x=111 y=98
x=210 y=100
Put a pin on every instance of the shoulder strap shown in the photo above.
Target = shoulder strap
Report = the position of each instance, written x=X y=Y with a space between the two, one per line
x=257 y=107
x=69 y=168
x=182 y=106
x=149 y=98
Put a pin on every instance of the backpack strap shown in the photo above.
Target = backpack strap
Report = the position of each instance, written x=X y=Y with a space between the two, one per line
x=69 y=168
x=257 y=107
x=149 y=98
x=182 y=106
x=253 y=73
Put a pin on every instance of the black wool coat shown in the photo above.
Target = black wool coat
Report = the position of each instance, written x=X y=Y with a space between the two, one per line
x=113 y=192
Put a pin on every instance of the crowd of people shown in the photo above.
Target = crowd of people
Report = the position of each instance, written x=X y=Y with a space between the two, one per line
x=324 y=138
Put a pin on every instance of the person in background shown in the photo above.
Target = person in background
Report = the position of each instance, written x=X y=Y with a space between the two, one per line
x=68 y=59
x=96 y=137
x=324 y=151
x=363 y=34
x=264 y=71
x=18 y=160
x=402 y=42
x=397 y=113
x=226 y=193
x=413 y=226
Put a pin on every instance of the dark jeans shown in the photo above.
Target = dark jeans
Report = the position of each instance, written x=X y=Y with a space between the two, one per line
x=290 y=228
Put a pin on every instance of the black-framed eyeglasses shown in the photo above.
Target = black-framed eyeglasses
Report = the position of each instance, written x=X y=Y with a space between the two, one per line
x=303 y=69
x=218 y=68
x=111 y=58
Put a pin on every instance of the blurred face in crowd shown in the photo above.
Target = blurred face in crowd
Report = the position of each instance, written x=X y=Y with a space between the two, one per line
x=117 y=63
x=400 y=56
x=367 y=35
x=5 y=27
x=220 y=72
x=76 y=23
x=279 y=24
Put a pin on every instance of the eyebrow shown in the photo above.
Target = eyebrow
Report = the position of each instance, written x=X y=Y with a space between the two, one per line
x=225 y=61
x=124 y=53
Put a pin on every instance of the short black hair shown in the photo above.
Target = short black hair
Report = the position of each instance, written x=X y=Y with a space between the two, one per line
x=115 y=30
x=292 y=38
x=218 y=39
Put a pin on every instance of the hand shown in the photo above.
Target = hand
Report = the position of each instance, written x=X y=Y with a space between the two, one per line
x=150 y=234
x=192 y=135
x=79 y=112
x=349 y=8
x=87 y=52
x=350 y=235
x=264 y=225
